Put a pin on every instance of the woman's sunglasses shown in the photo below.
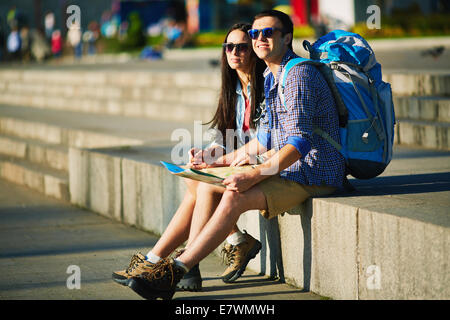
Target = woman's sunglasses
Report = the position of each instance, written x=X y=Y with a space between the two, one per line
x=240 y=47
x=266 y=32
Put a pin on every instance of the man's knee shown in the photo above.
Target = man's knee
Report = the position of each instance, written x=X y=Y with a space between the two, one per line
x=234 y=201
x=244 y=201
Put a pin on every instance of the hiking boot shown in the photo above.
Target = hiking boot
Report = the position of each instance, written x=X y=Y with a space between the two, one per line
x=237 y=257
x=159 y=281
x=192 y=281
x=136 y=266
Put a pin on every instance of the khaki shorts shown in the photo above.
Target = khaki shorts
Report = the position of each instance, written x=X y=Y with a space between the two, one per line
x=282 y=194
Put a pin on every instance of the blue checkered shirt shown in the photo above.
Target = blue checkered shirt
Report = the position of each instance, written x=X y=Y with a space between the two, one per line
x=309 y=103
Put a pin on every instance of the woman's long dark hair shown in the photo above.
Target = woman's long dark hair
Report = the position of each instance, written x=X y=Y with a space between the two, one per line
x=225 y=116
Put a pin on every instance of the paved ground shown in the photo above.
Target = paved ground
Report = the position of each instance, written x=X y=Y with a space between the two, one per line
x=393 y=54
x=41 y=238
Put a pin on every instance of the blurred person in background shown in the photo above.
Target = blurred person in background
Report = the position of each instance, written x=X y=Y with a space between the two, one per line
x=14 y=42
x=40 y=48
x=25 y=48
x=74 y=39
x=57 y=44
x=49 y=23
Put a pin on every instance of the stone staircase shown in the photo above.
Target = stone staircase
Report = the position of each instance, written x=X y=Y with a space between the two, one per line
x=181 y=96
x=38 y=165
x=95 y=138
x=422 y=107
x=34 y=152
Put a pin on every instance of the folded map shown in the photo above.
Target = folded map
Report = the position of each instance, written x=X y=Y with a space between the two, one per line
x=210 y=175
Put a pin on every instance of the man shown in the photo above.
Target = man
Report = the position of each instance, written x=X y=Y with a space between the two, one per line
x=303 y=164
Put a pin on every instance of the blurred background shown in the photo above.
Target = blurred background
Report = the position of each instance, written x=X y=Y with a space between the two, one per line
x=39 y=30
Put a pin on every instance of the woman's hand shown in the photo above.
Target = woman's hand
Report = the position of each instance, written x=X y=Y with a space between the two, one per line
x=201 y=159
x=195 y=157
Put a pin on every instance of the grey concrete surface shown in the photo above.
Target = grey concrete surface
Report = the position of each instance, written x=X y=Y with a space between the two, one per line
x=85 y=130
x=394 y=54
x=323 y=245
x=398 y=222
x=40 y=238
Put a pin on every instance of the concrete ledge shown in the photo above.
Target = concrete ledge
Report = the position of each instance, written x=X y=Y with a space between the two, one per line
x=34 y=151
x=423 y=108
x=50 y=183
x=411 y=257
x=149 y=108
x=57 y=135
x=431 y=135
x=137 y=84
x=198 y=95
x=332 y=246
x=144 y=79
x=133 y=192
x=419 y=84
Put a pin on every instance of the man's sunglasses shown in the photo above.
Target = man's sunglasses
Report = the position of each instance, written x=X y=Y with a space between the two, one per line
x=266 y=32
x=240 y=47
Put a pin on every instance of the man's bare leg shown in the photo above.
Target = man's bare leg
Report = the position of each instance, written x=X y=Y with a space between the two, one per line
x=186 y=224
x=208 y=198
x=231 y=206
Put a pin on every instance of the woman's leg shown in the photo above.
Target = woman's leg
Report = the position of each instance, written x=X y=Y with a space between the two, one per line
x=177 y=231
x=190 y=218
x=208 y=198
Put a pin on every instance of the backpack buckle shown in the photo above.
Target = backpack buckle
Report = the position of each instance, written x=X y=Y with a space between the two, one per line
x=335 y=66
x=365 y=137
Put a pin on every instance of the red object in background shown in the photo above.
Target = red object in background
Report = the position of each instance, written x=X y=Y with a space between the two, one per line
x=56 y=42
x=301 y=11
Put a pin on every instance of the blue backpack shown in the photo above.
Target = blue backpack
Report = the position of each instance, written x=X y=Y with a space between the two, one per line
x=363 y=100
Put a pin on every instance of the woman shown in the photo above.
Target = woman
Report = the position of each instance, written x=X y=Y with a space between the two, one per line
x=239 y=110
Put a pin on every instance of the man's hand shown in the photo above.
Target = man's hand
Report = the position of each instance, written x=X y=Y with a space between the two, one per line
x=241 y=182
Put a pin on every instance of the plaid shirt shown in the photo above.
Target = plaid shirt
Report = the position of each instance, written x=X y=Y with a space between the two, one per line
x=309 y=103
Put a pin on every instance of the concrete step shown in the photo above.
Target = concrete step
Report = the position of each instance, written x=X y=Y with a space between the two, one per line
x=425 y=134
x=181 y=107
x=419 y=84
x=423 y=108
x=48 y=181
x=148 y=108
x=53 y=156
x=65 y=128
x=92 y=130
x=433 y=83
x=144 y=78
x=388 y=240
x=54 y=134
x=156 y=94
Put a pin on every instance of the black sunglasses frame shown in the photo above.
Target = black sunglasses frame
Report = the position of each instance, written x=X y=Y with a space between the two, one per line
x=265 y=32
x=240 y=47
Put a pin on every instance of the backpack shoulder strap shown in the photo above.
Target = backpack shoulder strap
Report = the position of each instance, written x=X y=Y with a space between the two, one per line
x=289 y=65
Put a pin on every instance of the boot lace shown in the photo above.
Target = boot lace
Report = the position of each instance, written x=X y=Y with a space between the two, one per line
x=160 y=271
x=228 y=255
x=135 y=261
